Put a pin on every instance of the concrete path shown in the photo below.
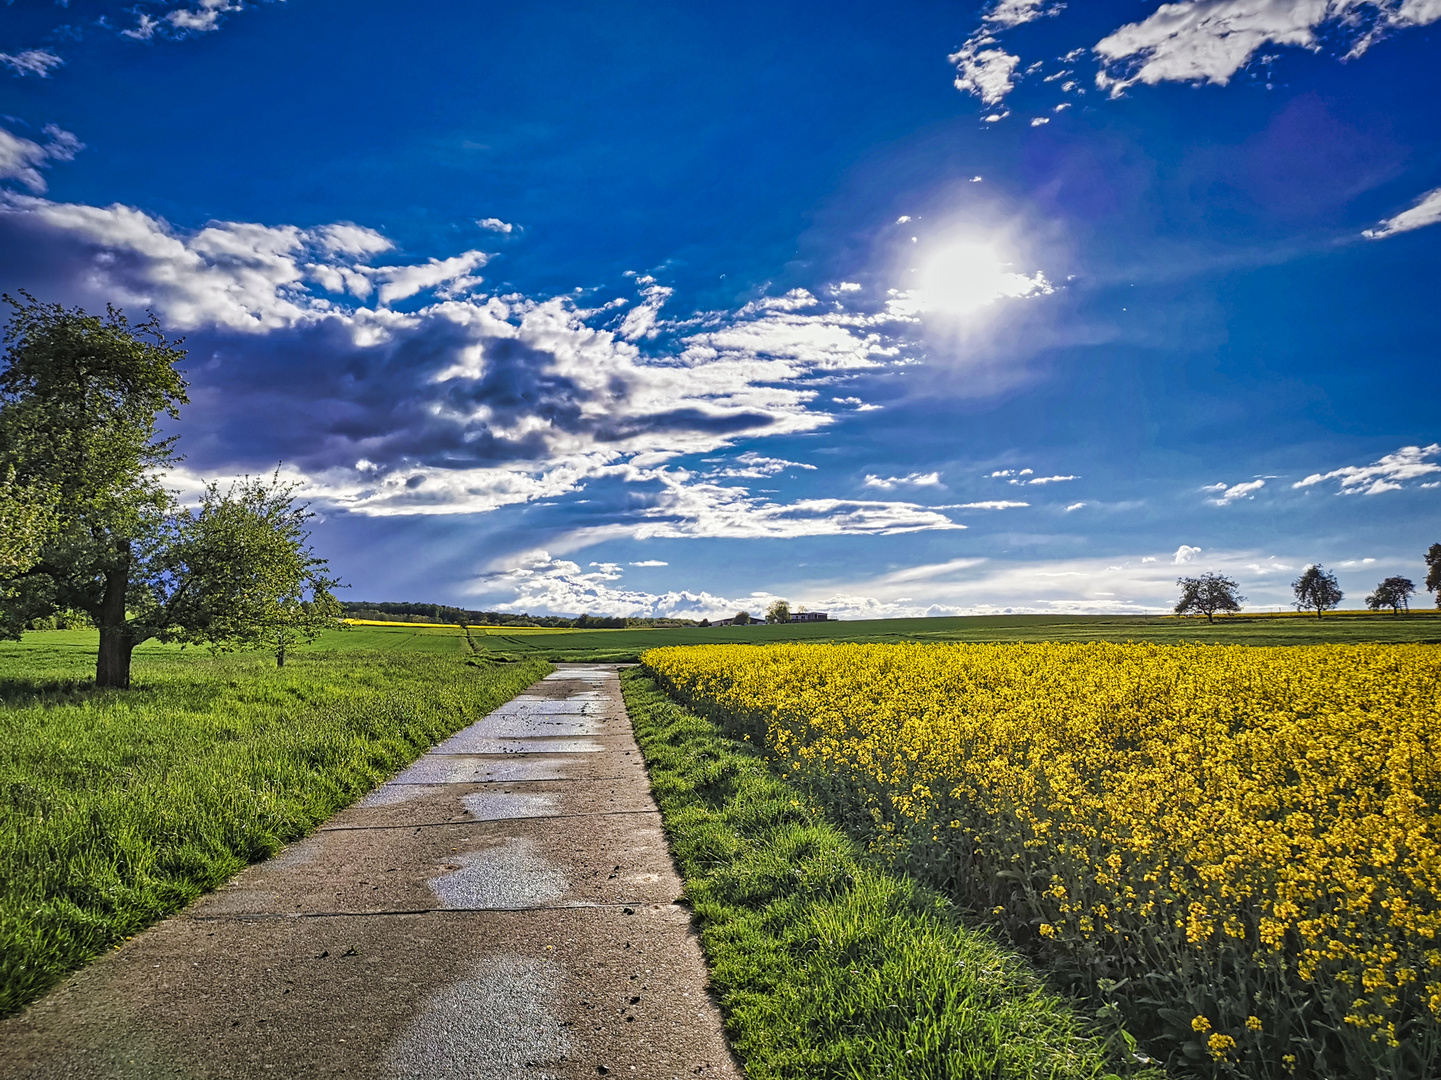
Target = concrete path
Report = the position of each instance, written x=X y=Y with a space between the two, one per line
x=504 y=908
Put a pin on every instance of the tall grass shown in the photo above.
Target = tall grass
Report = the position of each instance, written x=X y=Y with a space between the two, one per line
x=119 y=807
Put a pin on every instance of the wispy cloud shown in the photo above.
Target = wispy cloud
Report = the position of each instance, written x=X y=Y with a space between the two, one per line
x=1427 y=211
x=1390 y=473
x=494 y=224
x=1208 y=41
x=1224 y=495
x=22 y=159
x=37 y=62
x=202 y=17
x=915 y=479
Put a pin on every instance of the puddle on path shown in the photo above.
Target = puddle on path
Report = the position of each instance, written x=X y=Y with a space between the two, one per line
x=496 y=1024
x=510 y=875
x=503 y=805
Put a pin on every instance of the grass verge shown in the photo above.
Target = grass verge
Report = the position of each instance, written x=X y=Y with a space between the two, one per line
x=826 y=965
x=118 y=808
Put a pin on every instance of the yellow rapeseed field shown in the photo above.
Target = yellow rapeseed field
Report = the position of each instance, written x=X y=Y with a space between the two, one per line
x=1233 y=849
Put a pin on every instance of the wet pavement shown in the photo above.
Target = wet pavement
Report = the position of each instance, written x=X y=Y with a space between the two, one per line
x=504 y=908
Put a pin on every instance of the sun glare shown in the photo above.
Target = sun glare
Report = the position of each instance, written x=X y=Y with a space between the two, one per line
x=961 y=277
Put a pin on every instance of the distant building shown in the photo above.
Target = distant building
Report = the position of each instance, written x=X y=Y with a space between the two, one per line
x=809 y=616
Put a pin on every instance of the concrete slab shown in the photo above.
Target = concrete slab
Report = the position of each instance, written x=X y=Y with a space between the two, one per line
x=409 y=805
x=506 y=916
x=602 y=859
x=480 y=768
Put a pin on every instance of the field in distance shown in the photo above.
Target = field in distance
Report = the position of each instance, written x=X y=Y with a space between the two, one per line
x=626 y=645
x=622 y=646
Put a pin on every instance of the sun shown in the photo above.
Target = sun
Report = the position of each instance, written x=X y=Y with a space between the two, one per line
x=960 y=277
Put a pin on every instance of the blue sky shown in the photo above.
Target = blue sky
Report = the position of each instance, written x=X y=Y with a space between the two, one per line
x=673 y=309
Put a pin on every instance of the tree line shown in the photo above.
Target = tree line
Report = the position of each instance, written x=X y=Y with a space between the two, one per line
x=444 y=613
x=86 y=525
x=1315 y=590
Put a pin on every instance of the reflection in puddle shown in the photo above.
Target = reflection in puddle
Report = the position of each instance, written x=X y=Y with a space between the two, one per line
x=510 y=875
x=494 y=1025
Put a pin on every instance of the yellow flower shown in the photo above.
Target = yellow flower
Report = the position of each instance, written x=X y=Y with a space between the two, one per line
x=1201 y=1024
x=1220 y=1045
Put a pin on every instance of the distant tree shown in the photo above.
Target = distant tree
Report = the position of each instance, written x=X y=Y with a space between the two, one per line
x=1316 y=589
x=778 y=612
x=742 y=618
x=1433 y=572
x=80 y=402
x=1207 y=595
x=705 y=622
x=1393 y=593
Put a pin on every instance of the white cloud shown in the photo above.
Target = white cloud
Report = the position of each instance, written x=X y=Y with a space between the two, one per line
x=22 y=159
x=650 y=562
x=31 y=62
x=494 y=224
x=752 y=465
x=345 y=238
x=985 y=70
x=684 y=509
x=1037 y=121
x=201 y=18
x=1184 y=554
x=403 y=282
x=1227 y=495
x=1075 y=506
x=542 y=584
x=1388 y=474
x=1208 y=41
x=1046 y=480
x=915 y=479
x=472 y=402
x=1427 y=211
x=1008 y=13
x=640 y=321
x=985 y=504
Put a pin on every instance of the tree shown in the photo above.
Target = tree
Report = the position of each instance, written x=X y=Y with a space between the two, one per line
x=1207 y=595
x=778 y=612
x=1393 y=593
x=1433 y=572
x=80 y=401
x=1316 y=588
x=742 y=618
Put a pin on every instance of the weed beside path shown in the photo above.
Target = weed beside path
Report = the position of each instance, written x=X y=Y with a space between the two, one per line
x=118 y=808
x=825 y=965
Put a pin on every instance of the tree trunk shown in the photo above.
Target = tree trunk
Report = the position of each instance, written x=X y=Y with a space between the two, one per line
x=112 y=669
x=280 y=649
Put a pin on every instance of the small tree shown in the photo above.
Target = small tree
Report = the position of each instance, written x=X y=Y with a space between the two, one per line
x=778 y=612
x=1207 y=595
x=242 y=573
x=1433 y=572
x=1394 y=593
x=1317 y=589
x=742 y=618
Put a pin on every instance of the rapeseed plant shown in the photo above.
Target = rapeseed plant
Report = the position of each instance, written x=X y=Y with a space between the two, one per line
x=1234 y=850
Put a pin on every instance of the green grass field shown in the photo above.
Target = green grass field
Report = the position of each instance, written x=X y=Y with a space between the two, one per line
x=117 y=808
x=627 y=645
